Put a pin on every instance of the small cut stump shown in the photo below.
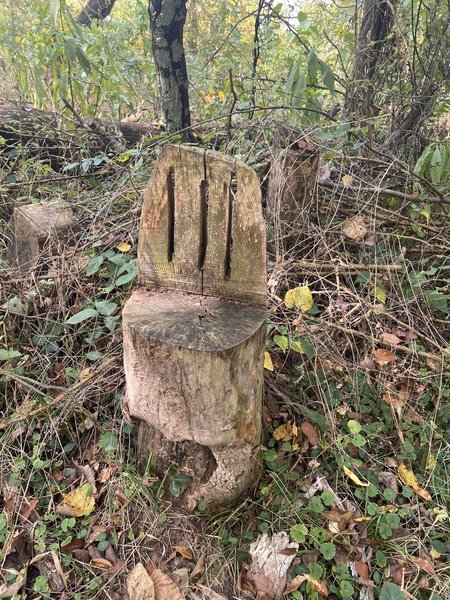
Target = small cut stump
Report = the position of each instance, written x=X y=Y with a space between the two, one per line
x=38 y=230
x=194 y=336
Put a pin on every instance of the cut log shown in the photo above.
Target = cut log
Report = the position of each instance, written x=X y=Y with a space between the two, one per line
x=41 y=133
x=194 y=372
x=292 y=178
x=39 y=231
x=194 y=338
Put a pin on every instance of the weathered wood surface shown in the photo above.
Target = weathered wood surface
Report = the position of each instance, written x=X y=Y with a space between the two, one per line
x=194 y=372
x=194 y=337
x=293 y=173
x=37 y=232
x=202 y=228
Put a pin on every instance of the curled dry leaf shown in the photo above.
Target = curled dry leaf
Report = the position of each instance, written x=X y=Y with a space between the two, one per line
x=355 y=228
x=425 y=565
x=283 y=433
x=319 y=586
x=140 y=584
x=408 y=478
x=183 y=552
x=101 y=563
x=383 y=357
x=310 y=433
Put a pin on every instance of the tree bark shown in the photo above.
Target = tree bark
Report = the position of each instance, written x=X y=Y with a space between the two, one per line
x=95 y=9
x=167 y=18
x=376 y=25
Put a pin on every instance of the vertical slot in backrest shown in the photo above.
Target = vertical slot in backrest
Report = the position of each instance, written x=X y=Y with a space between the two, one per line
x=230 y=199
x=170 y=214
x=203 y=237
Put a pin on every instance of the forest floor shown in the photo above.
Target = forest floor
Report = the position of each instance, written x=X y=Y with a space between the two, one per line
x=356 y=415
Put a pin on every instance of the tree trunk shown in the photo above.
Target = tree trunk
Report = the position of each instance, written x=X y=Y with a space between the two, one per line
x=292 y=178
x=167 y=18
x=95 y=9
x=376 y=25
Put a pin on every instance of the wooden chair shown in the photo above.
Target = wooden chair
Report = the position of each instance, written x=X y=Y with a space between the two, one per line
x=194 y=331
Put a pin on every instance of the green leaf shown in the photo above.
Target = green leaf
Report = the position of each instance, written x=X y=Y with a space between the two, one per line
x=292 y=76
x=94 y=264
x=93 y=356
x=354 y=426
x=328 y=550
x=299 y=533
x=105 y=307
x=127 y=277
x=81 y=316
x=281 y=341
x=107 y=441
x=9 y=354
x=328 y=498
x=54 y=9
x=83 y=60
x=391 y=591
x=307 y=347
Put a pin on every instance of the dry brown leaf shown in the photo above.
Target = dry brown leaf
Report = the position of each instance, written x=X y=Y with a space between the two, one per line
x=28 y=509
x=140 y=584
x=310 y=433
x=395 y=401
x=383 y=357
x=362 y=569
x=283 y=433
x=183 y=552
x=211 y=594
x=355 y=228
x=199 y=567
x=101 y=563
x=425 y=565
x=390 y=338
x=165 y=588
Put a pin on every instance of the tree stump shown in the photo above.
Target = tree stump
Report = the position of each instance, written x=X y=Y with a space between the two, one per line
x=38 y=231
x=292 y=178
x=194 y=336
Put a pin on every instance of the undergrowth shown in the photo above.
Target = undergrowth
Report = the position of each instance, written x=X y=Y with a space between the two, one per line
x=356 y=449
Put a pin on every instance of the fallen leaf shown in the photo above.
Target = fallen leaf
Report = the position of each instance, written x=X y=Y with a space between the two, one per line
x=78 y=503
x=270 y=563
x=299 y=297
x=354 y=477
x=183 y=552
x=28 y=511
x=425 y=565
x=199 y=567
x=181 y=578
x=101 y=563
x=347 y=180
x=395 y=401
x=390 y=338
x=140 y=584
x=362 y=569
x=164 y=587
x=123 y=247
x=310 y=433
x=383 y=357
x=283 y=433
x=211 y=594
x=408 y=478
x=268 y=364
x=355 y=228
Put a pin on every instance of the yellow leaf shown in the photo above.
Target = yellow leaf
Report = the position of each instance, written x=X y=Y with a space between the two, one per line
x=431 y=462
x=300 y=297
x=347 y=180
x=123 y=247
x=79 y=503
x=268 y=364
x=354 y=477
x=408 y=477
x=283 y=433
x=380 y=293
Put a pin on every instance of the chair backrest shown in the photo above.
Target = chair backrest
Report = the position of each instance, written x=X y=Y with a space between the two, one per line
x=202 y=229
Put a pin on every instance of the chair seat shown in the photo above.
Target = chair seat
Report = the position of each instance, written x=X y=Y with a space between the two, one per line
x=191 y=321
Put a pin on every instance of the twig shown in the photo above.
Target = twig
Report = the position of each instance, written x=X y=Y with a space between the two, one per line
x=314 y=266
x=369 y=338
x=72 y=390
x=384 y=192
